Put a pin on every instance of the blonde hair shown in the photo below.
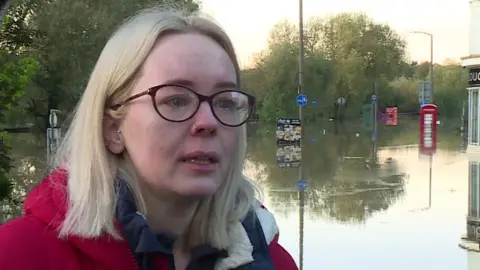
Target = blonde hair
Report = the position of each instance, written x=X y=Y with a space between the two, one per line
x=93 y=169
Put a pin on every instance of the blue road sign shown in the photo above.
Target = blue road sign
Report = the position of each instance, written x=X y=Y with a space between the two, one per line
x=301 y=100
x=301 y=185
x=374 y=99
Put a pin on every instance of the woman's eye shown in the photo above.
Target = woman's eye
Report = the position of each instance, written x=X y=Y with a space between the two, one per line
x=176 y=101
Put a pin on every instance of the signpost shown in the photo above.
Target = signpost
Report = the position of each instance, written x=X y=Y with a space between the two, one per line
x=425 y=93
x=375 y=115
x=341 y=101
x=302 y=100
x=301 y=185
x=367 y=117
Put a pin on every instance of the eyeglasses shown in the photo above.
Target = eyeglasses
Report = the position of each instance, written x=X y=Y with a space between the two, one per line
x=177 y=103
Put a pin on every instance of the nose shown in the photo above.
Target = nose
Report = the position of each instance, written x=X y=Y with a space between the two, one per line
x=204 y=122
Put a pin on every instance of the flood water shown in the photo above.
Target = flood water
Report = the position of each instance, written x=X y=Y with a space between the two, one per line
x=368 y=205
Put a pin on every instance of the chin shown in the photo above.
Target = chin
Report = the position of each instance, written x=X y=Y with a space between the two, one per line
x=198 y=190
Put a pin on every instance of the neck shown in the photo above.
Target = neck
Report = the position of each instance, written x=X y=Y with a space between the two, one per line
x=169 y=213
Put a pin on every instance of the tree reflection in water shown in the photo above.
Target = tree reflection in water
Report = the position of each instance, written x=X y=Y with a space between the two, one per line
x=348 y=182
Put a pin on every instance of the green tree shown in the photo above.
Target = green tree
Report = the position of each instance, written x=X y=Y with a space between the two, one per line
x=48 y=53
x=364 y=53
x=449 y=93
x=66 y=44
x=403 y=92
x=15 y=74
x=274 y=78
x=344 y=55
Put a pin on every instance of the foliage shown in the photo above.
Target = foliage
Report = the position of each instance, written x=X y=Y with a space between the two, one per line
x=66 y=44
x=346 y=55
x=15 y=74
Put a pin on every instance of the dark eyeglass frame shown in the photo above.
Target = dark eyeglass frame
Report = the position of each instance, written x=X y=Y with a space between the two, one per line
x=152 y=91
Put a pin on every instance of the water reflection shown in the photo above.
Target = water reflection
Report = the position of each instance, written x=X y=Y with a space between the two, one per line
x=367 y=202
x=301 y=200
x=348 y=182
x=371 y=202
x=470 y=241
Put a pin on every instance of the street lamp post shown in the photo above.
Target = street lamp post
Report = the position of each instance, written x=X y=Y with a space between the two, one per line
x=431 y=55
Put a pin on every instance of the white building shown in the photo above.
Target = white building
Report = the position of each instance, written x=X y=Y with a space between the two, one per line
x=472 y=63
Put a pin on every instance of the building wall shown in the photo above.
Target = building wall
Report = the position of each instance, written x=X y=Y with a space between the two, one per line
x=474 y=27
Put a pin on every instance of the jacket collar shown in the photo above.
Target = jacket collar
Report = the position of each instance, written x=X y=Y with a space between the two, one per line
x=141 y=239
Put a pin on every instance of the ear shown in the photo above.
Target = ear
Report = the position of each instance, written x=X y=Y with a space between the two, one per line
x=112 y=135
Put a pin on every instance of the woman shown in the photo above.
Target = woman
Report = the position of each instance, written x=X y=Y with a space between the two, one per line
x=150 y=172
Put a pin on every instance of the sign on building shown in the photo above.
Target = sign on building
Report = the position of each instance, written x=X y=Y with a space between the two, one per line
x=474 y=77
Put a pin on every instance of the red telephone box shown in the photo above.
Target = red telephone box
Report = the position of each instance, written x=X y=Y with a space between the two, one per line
x=428 y=129
x=392 y=113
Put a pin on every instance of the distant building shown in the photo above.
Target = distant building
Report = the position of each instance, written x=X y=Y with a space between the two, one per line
x=471 y=240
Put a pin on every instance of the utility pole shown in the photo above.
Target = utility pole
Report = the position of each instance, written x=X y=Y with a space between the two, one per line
x=301 y=56
x=301 y=194
x=431 y=57
x=431 y=64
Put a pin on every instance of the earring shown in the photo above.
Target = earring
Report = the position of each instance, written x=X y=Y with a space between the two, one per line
x=119 y=131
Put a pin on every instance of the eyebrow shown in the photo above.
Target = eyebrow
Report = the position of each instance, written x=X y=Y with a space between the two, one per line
x=188 y=83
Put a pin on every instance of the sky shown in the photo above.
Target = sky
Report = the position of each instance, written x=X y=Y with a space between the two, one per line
x=248 y=22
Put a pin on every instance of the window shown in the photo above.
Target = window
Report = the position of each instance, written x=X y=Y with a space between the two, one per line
x=474 y=190
x=473 y=132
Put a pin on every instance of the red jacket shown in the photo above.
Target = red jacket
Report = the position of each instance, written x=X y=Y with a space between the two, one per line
x=31 y=242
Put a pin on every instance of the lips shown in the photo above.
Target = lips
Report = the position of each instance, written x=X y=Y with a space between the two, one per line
x=201 y=158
